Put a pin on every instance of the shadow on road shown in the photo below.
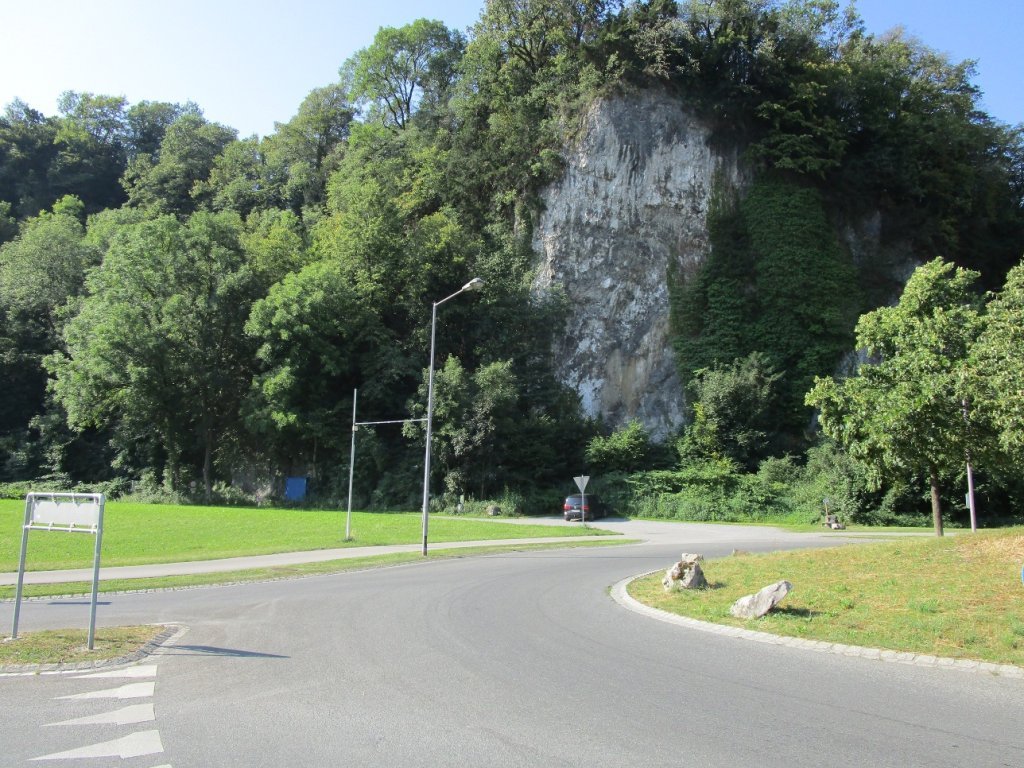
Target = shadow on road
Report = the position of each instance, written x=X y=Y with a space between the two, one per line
x=209 y=650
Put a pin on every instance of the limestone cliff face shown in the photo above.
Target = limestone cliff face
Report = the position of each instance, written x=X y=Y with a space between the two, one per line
x=631 y=208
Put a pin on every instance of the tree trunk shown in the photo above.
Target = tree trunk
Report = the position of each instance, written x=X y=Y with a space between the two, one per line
x=933 y=477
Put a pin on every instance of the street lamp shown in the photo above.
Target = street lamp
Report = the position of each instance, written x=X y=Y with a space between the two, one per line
x=472 y=285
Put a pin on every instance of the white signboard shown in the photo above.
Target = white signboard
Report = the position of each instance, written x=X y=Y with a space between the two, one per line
x=581 y=482
x=65 y=511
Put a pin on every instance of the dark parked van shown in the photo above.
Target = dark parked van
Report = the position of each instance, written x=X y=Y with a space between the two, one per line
x=573 y=508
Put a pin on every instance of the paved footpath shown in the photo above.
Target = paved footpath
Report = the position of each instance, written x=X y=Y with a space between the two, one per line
x=261 y=561
x=647 y=531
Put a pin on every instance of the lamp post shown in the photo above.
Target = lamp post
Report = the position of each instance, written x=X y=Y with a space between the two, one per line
x=472 y=285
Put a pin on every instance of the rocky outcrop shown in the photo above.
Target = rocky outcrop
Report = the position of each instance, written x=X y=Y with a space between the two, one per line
x=630 y=209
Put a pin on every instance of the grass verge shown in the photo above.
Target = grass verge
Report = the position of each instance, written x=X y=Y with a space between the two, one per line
x=69 y=646
x=957 y=596
x=136 y=534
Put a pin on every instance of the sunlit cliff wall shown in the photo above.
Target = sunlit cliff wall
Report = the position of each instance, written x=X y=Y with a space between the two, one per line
x=630 y=208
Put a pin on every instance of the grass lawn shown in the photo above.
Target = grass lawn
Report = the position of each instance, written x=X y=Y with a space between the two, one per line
x=68 y=646
x=135 y=534
x=957 y=596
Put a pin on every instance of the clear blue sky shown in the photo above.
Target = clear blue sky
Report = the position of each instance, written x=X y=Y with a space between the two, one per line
x=249 y=63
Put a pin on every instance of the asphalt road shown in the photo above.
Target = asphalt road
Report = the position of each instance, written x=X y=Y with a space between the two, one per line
x=512 y=660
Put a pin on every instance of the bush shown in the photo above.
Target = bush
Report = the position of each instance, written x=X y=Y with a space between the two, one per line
x=15 y=490
x=510 y=503
x=830 y=473
x=614 y=490
x=625 y=450
x=112 y=489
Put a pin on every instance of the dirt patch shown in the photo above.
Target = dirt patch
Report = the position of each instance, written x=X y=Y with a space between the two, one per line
x=1001 y=549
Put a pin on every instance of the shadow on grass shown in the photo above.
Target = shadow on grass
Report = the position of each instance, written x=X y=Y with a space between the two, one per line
x=798 y=613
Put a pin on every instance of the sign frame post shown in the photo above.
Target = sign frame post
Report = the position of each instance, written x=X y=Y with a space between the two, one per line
x=352 y=454
x=70 y=513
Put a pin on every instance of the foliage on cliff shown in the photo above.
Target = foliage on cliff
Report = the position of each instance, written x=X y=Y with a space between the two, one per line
x=776 y=282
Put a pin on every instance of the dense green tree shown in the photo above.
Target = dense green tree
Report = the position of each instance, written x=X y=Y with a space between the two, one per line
x=404 y=67
x=170 y=182
x=903 y=413
x=534 y=32
x=317 y=342
x=41 y=270
x=734 y=412
x=526 y=71
x=998 y=367
x=308 y=145
x=625 y=450
x=8 y=226
x=243 y=179
x=27 y=150
x=157 y=351
x=275 y=244
x=148 y=121
x=474 y=413
x=83 y=151
x=92 y=149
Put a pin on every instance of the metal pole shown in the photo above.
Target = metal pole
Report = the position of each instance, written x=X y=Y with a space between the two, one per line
x=430 y=415
x=351 y=467
x=970 y=471
x=970 y=497
x=21 y=566
x=472 y=285
x=96 y=574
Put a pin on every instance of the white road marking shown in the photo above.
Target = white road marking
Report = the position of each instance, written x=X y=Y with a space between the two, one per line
x=135 y=745
x=129 y=691
x=144 y=670
x=137 y=713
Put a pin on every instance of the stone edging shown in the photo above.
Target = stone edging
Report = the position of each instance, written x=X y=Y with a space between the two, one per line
x=170 y=634
x=620 y=594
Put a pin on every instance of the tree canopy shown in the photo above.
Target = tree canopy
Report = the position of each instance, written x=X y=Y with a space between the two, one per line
x=904 y=410
x=179 y=305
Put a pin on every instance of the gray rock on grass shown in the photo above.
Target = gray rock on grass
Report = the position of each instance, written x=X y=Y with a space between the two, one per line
x=686 y=574
x=756 y=606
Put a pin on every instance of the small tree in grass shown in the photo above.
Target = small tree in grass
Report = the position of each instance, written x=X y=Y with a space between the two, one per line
x=904 y=410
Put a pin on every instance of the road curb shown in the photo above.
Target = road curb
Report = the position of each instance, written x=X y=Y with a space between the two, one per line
x=621 y=596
